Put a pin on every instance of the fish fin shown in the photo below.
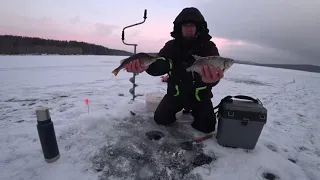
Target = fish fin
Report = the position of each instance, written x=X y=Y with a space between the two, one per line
x=115 y=72
x=196 y=57
x=122 y=60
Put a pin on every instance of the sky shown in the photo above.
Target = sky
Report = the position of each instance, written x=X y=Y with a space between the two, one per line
x=274 y=31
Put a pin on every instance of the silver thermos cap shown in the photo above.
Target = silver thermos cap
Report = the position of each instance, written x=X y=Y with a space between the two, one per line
x=43 y=114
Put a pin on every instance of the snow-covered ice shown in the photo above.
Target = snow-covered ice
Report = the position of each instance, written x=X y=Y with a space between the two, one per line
x=110 y=143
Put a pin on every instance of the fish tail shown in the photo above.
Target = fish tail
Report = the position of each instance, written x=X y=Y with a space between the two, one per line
x=116 y=71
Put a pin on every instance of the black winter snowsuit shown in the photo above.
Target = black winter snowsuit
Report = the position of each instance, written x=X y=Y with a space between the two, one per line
x=183 y=90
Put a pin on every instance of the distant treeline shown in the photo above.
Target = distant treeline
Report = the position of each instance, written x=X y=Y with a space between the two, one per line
x=300 y=67
x=15 y=45
x=12 y=45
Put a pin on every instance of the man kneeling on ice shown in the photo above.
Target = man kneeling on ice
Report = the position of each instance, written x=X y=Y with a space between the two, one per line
x=186 y=89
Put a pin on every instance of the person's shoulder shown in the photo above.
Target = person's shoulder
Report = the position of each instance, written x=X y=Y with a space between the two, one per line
x=210 y=48
x=210 y=44
x=171 y=42
x=168 y=49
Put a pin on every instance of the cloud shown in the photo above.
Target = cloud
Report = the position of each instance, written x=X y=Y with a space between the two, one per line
x=104 y=30
x=48 y=28
x=259 y=54
x=150 y=36
x=73 y=29
x=133 y=33
x=223 y=43
x=75 y=20
x=282 y=30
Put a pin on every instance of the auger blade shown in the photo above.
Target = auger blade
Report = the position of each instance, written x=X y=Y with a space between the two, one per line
x=131 y=79
x=131 y=91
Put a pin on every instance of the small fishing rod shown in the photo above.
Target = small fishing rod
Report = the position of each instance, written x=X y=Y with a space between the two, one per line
x=133 y=78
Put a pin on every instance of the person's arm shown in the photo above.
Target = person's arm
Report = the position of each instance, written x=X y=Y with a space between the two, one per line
x=212 y=50
x=163 y=63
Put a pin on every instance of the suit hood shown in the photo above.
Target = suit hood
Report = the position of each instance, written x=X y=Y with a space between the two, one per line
x=193 y=15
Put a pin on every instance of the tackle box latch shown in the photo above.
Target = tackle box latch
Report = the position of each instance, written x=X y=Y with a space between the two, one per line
x=230 y=113
x=262 y=116
x=245 y=121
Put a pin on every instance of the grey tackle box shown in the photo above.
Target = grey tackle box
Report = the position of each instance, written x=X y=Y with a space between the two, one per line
x=240 y=121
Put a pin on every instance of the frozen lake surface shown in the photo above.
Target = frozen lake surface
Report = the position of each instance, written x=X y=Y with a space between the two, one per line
x=110 y=143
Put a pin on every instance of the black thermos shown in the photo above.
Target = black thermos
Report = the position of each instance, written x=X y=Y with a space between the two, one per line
x=47 y=135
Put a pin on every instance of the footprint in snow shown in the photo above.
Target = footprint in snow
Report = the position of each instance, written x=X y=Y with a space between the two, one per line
x=293 y=160
x=31 y=104
x=272 y=147
x=302 y=148
x=19 y=121
x=277 y=123
x=69 y=133
x=270 y=176
x=64 y=107
x=300 y=115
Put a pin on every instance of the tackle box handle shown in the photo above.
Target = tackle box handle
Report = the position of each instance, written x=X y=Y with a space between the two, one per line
x=246 y=98
x=229 y=99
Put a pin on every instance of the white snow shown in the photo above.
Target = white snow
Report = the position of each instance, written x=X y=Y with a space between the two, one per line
x=62 y=83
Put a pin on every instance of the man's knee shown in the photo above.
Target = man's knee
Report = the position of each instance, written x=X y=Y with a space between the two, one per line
x=204 y=118
x=205 y=126
x=165 y=113
x=162 y=117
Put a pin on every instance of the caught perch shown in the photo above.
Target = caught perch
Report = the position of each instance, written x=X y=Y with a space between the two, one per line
x=144 y=59
x=222 y=63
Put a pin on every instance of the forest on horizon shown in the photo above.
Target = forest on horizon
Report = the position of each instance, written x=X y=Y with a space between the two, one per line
x=22 y=45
